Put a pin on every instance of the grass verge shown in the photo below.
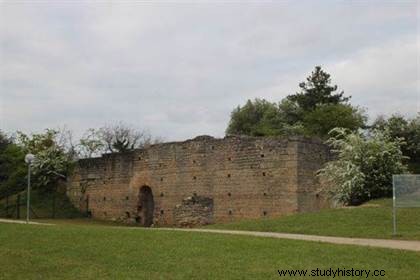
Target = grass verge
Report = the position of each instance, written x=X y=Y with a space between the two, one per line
x=98 y=252
x=371 y=220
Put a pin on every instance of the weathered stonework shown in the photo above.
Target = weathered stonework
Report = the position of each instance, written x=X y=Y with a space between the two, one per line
x=245 y=177
x=194 y=210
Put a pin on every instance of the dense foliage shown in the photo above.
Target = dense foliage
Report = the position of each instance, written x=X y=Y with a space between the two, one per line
x=261 y=118
x=313 y=111
x=320 y=121
x=407 y=129
x=363 y=167
x=53 y=160
x=12 y=167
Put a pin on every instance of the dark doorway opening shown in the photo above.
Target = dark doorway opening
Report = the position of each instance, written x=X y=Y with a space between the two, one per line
x=145 y=207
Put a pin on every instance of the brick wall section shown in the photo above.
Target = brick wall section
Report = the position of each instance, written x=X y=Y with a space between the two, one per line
x=247 y=177
x=311 y=155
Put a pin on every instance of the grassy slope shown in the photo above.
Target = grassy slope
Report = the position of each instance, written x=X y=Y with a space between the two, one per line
x=41 y=203
x=373 y=220
x=97 y=252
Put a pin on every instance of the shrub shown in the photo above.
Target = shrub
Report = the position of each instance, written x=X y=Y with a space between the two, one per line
x=363 y=166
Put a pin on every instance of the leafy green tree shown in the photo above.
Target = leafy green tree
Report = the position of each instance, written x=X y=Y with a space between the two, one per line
x=255 y=118
x=407 y=129
x=363 y=167
x=413 y=140
x=326 y=117
x=52 y=162
x=259 y=118
x=12 y=167
x=313 y=111
x=4 y=143
x=290 y=112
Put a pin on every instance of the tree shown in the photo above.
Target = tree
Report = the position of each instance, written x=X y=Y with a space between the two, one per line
x=407 y=129
x=4 y=143
x=53 y=159
x=91 y=144
x=313 y=111
x=317 y=90
x=12 y=167
x=259 y=118
x=326 y=117
x=413 y=140
x=363 y=167
x=119 y=137
x=255 y=118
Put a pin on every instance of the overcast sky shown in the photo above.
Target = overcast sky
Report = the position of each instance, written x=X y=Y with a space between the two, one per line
x=178 y=69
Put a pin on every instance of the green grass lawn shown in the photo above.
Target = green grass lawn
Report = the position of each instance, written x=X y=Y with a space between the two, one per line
x=100 y=252
x=371 y=220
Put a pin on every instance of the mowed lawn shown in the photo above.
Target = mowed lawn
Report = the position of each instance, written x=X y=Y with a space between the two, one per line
x=103 y=252
x=371 y=220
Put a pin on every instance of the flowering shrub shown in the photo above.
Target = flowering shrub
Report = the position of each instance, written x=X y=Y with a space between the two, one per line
x=363 y=166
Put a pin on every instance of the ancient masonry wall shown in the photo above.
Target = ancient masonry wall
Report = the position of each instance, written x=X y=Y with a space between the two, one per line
x=245 y=177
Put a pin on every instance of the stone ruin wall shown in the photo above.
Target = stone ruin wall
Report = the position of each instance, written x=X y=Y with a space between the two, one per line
x=244 y=177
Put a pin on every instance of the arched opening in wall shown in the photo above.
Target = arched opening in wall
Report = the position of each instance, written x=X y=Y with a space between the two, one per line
x=145 y=207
